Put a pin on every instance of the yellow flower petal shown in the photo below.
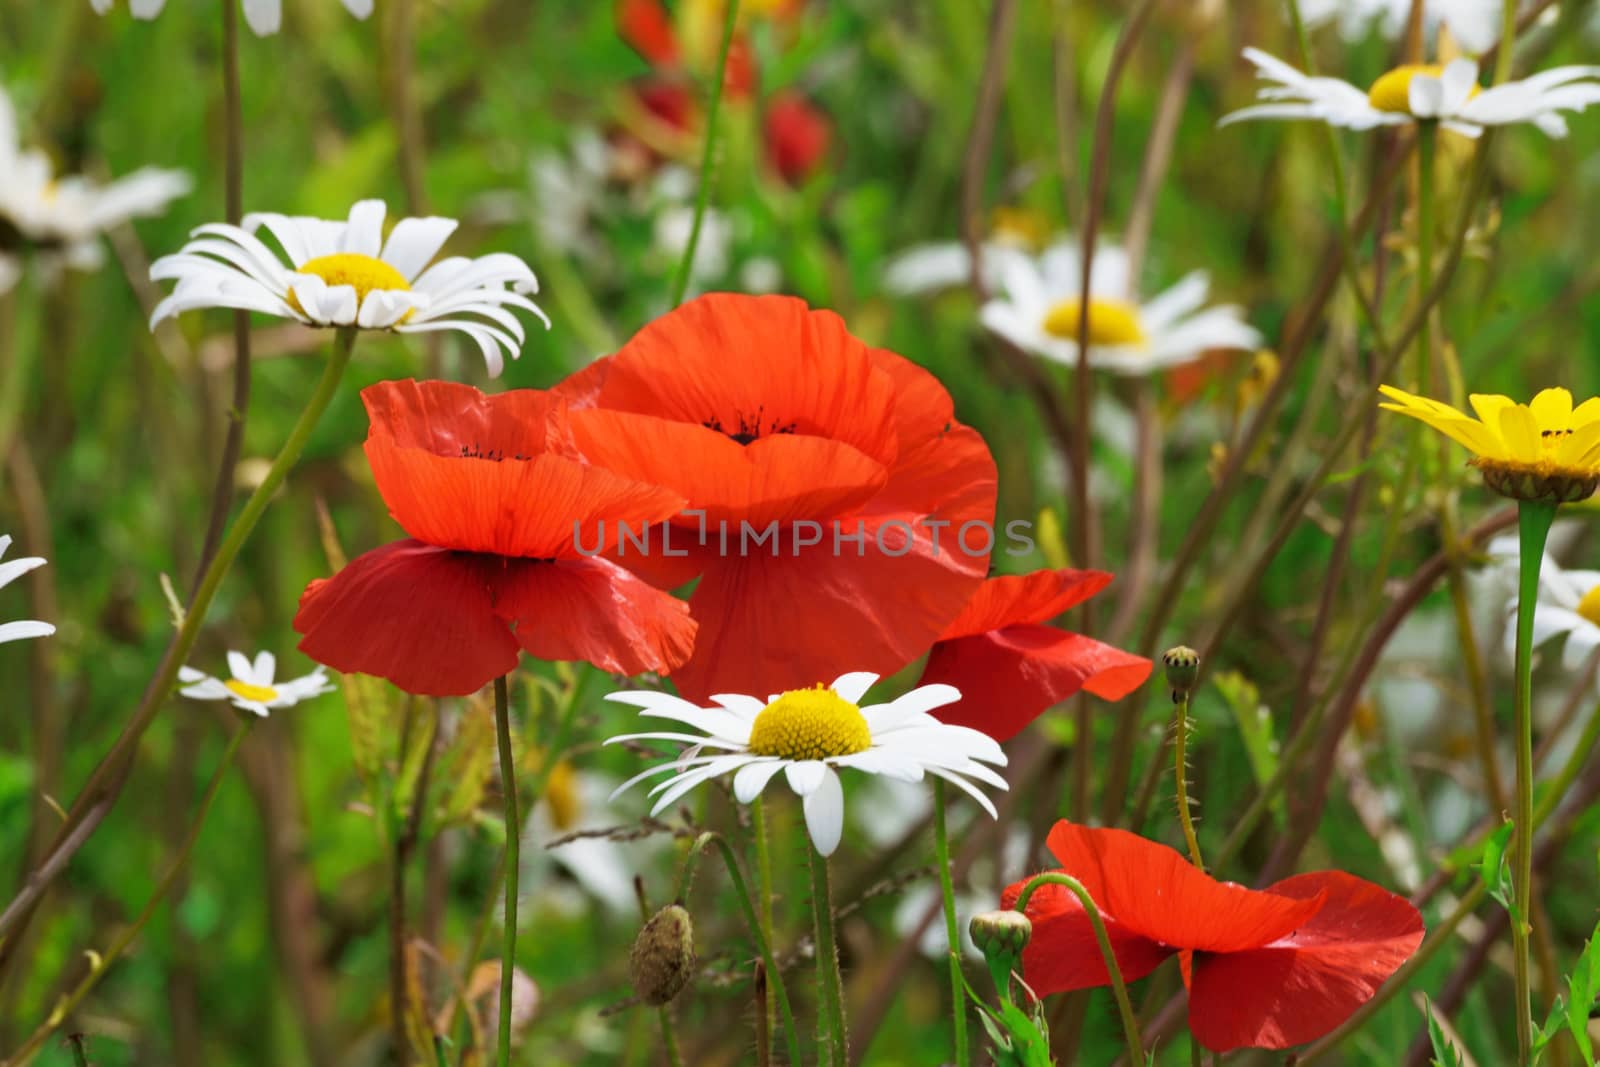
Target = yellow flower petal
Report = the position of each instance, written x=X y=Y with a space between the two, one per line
x=1489 y=406
x=1519 y=435
x=1586 y=412
x=1576 y=445
x=1552 y=409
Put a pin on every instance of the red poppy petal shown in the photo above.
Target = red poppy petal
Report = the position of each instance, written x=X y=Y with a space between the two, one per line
x=1306 y=983
x=1138 y=881
x=455 y=420
x=541 y=507
x=595 y=611
x=758 y=364
x=1063 y=953
x=417 y=615
x=1008 y=677
x=923 y=408
x=1021 y=598
x=646 y=26
x=769 y=624
x=782 y=477
x=797 y=136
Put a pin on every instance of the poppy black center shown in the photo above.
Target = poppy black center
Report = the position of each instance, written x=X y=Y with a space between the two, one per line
x=495 y=455
x=750 y=427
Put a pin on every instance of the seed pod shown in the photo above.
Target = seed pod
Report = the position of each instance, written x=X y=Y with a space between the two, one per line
x=1183 y=669
x=1001 y=933
x=662 y=960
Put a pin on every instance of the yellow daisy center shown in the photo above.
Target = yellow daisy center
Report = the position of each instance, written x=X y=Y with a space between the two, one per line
x=810 y=724
x=1020 y=226
x=1111 y=322
x=1392 y=92
x=261 y=694
x=362 y=273
x=1589 y=606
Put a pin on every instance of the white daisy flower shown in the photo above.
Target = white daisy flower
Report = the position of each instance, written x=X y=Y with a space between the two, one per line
x=10 y=572
x=808 y=734
x=1449 y=95
x=251 y=687
x=929 y=268
x=1039 y=312
x=63 y=217
x=1568 y=604
x=347 y=274
x=1475 y=24
x=263 y=16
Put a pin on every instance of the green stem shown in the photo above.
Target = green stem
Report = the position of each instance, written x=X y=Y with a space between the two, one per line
x=1119 y=989
x=669 y=1037
x=1427 y=135
x=774 y=973
x=100 y=964
x=707 y=155
x=1508 y=40
x=508 y=784
x=952 y=926
x=831 y=1023
x=758 y=829
x=1180 y=769
x=1533 y=525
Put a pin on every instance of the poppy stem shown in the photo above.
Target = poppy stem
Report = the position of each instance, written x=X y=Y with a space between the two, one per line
x=831 y=1009
x=680 y=284
x=1119 y=989
x=773 y=973
x=1180 y=767
x=508 y=785
x=952 y=927
x=1533 y=525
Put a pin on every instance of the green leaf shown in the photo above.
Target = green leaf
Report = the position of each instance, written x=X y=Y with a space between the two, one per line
x=1494 y=869
x=1582 y=987
x=1445 y=1053
x=1254 y=721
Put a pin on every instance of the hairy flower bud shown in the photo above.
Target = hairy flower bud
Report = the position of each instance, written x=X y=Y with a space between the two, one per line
x=662 y=960
x=1183 y=670
x=1001 y=933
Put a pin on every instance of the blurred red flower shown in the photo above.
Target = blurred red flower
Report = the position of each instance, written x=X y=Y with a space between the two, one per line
x=1265 y=968
x=796 y=135
x=769 y=416
x=1010 y=668
x=492 y=564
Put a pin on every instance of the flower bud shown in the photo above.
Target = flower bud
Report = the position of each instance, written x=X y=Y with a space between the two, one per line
x=662 y=960
x=1183 y=670
x=1001 y=933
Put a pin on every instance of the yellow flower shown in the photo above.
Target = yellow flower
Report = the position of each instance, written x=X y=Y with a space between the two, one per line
x=1544 y=450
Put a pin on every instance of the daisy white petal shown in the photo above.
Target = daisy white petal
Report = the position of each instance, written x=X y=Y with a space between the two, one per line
x=854 y=686
x=25 y=629
x=805 y=776
x=752 y=778
x=824 y=809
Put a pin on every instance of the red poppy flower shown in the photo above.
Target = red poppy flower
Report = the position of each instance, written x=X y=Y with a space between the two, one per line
x=847 y=515
x=797 y=136
x=493 y=563
x=1265 y=968
x=1010 y=667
